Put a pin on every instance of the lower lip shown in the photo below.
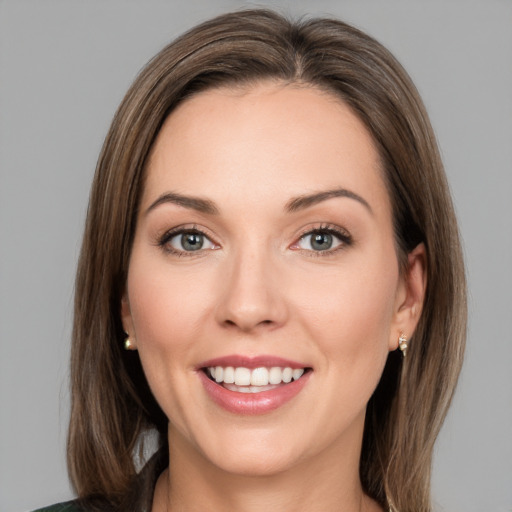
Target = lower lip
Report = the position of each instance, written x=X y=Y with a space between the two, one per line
x=252 y=403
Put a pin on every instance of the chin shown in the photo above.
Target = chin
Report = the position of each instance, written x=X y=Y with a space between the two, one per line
x=255 y=462
x=250 y=452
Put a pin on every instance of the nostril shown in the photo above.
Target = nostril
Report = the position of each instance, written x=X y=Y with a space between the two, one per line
x=233 y=323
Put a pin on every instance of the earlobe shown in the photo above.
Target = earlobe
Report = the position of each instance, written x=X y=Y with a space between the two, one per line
x=126 y=316
x=130 y=343
x=411 y=296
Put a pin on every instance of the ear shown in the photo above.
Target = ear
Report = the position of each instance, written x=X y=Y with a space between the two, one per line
x=126 y=317
x=410 y=296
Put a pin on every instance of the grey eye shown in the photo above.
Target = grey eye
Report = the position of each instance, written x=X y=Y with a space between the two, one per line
x=319 y=241
x=190 y=241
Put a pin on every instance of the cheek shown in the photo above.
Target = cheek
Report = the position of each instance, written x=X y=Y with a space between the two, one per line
x=168 y=311
x=167 y=307
x=350 y=315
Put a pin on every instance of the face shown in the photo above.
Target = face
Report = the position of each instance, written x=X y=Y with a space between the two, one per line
x=264 y=259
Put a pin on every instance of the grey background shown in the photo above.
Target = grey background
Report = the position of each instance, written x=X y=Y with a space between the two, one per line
x=64 y=67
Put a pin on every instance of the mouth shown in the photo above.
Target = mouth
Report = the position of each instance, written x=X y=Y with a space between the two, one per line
x=248 y=386
x=253 y=380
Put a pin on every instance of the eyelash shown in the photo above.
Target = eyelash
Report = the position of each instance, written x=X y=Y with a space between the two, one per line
x=343 y=237
x=169 y=235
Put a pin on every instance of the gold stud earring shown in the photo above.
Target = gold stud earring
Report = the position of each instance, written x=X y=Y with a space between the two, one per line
x=402 y=343
x=129 y=344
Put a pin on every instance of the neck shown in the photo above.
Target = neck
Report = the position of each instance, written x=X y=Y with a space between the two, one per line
x=327 y=482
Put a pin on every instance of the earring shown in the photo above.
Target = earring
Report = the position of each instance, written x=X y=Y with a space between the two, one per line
x=129 y=344
x=402 y=343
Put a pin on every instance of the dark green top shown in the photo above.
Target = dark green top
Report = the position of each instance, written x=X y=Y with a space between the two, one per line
x=68 y=506
x=140 y=498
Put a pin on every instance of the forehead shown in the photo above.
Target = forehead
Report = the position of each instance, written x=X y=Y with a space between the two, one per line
x=265 y=141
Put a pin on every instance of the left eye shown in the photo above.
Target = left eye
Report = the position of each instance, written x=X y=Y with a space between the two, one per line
x=320 y=240
x=190 y=241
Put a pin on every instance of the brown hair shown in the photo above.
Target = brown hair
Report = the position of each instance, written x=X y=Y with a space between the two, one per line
x=112 y=405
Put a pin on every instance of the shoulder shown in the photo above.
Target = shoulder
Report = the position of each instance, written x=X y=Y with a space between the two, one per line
x=140 y=496
x=68 y=506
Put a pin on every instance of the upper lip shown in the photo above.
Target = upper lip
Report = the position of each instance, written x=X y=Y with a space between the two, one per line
x=251 y=362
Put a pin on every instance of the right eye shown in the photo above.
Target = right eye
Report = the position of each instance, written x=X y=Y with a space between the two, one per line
x=187 y=241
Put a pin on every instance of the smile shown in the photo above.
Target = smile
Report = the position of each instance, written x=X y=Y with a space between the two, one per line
x=250 y=386
x=257 y=380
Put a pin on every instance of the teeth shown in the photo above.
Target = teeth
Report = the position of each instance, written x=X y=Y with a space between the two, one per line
x=229 y=375
x=259 y=377
x=248 y=389
x=255 y=378
x=242 y=376
x=275 y=375
x=296 y=374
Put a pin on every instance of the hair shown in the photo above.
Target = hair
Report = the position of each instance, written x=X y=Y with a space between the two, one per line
x=112 y=406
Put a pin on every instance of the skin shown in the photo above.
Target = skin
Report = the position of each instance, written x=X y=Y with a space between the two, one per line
x=257 y=287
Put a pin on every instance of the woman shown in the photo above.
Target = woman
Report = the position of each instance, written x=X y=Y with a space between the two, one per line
x=270 y=279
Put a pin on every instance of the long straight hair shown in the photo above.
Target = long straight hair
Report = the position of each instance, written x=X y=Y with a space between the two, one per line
x=112 y=406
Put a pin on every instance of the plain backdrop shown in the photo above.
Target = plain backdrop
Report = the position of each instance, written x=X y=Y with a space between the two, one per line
x=64 y=67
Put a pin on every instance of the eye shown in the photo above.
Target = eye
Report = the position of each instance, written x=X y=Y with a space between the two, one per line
x=187 y=241
x=323 y=240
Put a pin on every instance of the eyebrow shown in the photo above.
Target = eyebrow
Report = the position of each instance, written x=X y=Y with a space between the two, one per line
x=193 y=203
x=306 y=201
x=293 y=205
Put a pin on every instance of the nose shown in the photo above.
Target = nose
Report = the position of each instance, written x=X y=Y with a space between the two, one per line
x=252 y=297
